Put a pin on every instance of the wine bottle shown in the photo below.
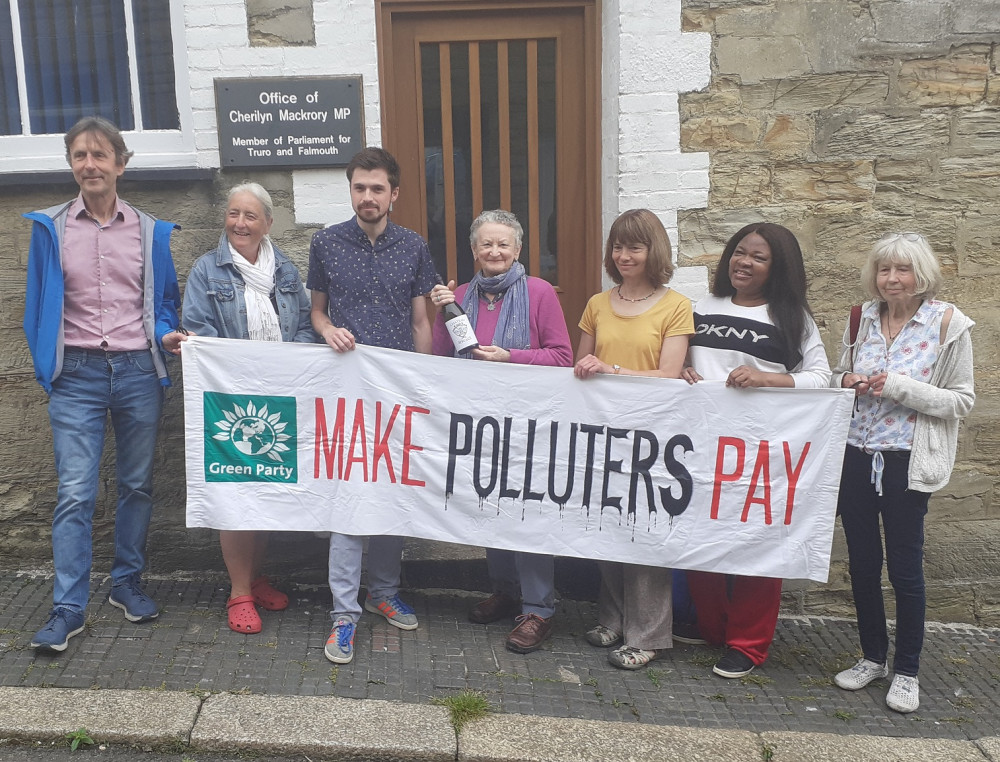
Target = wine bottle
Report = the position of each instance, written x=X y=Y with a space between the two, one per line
x=459 y=327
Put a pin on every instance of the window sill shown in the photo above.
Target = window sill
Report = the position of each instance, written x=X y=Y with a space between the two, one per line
x=132 y=175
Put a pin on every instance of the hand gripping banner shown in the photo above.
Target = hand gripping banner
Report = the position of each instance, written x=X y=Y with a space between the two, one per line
x=295 y=437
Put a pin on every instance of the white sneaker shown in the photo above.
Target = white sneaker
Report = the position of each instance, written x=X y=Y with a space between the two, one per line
x=858 y=676
x=904 y=694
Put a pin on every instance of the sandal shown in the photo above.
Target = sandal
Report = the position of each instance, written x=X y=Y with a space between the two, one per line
x=265 y=596
x=628 y=657
x=603 y=637
x=243 y=616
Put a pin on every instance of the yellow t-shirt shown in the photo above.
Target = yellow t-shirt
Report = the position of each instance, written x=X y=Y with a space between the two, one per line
x=635 y=342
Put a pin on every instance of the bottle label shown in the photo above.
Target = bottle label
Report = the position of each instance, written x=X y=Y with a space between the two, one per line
x=461 y=332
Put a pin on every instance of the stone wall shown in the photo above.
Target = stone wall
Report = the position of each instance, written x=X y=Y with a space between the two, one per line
x=843 y=120
x=27 y=473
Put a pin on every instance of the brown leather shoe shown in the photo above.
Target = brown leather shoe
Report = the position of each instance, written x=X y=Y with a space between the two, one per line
x=497 y=606
x=530 y=633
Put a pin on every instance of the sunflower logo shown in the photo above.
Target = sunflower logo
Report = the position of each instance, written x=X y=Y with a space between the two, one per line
x=250 y=438
x=254 y=431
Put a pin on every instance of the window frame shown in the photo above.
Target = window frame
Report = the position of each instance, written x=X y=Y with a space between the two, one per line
x=26 y=154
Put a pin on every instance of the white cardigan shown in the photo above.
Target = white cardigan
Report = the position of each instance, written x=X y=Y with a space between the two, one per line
x=940 y=404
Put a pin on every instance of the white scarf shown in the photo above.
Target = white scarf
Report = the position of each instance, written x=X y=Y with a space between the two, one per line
x=262 y=320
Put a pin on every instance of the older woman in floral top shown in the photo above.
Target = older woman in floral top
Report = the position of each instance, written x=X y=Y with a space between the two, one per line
x=911 y=368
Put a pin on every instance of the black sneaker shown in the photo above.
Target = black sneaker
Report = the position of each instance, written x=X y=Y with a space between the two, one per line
x=688 y=632
x=733 y=664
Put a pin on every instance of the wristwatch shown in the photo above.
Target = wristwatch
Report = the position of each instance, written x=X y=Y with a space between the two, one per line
x=617 y=368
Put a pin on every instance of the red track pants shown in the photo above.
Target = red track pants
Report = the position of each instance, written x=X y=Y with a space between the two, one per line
x=739 y=612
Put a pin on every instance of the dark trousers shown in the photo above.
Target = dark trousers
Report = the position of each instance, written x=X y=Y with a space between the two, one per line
x=902 y=513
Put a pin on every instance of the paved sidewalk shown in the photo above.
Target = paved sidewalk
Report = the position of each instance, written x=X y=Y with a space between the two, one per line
x=204 y=687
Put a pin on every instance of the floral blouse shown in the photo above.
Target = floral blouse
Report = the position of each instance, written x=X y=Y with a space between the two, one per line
x=881 y=424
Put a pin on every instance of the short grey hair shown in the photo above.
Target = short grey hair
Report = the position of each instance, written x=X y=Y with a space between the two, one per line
x=257 y=191
x=496 y=217
x=96 y=125
x=904 y=249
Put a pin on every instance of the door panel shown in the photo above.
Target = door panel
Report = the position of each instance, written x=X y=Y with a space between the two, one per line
x=488 y=108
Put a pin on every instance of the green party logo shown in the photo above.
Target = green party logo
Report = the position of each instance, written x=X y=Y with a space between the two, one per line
x=250 y=438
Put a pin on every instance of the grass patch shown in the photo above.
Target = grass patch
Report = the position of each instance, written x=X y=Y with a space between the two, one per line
x=702 y=659
x=844 y=715
x=838 y=662
x=816 y=682
x=464 y=707
x=654 y=675
x=720 y=697
x=960 y=720
x=766 y=752
x=754 y=679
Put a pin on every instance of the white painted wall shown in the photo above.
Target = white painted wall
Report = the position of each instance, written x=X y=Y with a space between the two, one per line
x=218 y=46
x=647 y=61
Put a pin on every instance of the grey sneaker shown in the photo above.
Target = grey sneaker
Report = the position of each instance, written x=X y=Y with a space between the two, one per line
x=858 y=676
x=340 y=645
x=397 y=613
x=904 y=694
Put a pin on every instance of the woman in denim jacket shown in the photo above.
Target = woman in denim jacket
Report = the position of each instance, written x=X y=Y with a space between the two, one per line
x=247 y=289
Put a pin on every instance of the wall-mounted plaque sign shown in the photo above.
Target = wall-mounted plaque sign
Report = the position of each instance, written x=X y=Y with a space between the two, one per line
x=289 y=121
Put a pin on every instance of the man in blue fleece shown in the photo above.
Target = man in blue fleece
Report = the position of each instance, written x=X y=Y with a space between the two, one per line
x=100 y=312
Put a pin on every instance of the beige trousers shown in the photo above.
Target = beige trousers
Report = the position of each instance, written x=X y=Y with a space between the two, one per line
x=637 y=602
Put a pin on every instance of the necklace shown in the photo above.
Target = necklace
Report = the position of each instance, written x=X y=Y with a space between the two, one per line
x=890 y=336
x=491 y=302
x=640 y=299
x=888 y=329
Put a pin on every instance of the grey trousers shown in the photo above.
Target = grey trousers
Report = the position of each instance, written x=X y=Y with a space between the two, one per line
x=637 y=602
x=385 y=553
x=528 y=576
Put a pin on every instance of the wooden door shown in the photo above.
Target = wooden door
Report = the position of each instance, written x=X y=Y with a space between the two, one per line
x=494 y=105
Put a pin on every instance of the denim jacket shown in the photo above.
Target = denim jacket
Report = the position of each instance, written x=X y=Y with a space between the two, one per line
x=214 y=304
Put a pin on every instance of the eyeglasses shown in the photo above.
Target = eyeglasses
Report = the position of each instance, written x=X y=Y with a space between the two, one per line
x=911 y=237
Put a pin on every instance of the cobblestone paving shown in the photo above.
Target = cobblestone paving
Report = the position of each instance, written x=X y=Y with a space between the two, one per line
x=190 y=648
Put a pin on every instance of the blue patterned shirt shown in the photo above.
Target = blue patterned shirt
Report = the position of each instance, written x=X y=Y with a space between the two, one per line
x=371 y=288
x=880 y=423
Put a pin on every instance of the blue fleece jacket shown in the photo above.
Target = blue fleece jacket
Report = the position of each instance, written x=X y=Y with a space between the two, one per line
x=45 y=293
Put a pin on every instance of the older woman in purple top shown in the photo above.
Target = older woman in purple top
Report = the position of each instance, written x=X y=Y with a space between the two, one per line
x=517 y=318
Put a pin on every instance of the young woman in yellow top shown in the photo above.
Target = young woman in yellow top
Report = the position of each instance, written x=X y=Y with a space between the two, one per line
x=638 y=328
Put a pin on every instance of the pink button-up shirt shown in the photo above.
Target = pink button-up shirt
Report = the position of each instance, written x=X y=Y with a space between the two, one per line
x=103 y=273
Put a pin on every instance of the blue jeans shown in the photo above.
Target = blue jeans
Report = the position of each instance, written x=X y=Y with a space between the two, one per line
x=92 y=384
x=385 y=554
x=902 y=512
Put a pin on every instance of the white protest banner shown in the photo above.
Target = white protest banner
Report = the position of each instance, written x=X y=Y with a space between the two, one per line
x=375 y=441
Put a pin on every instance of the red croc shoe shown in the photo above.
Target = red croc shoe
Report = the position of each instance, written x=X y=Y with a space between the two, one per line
x=243 y=616
x=265 y=596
